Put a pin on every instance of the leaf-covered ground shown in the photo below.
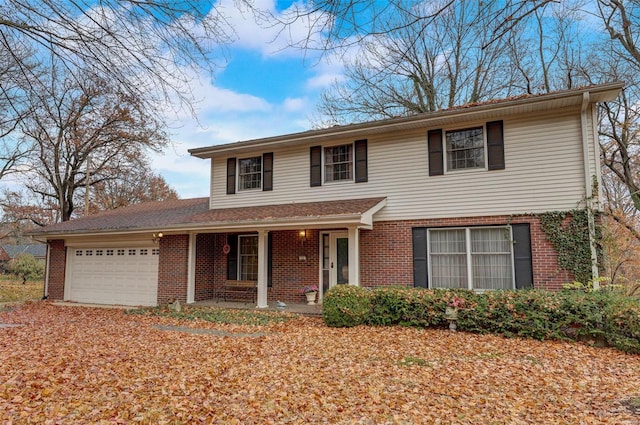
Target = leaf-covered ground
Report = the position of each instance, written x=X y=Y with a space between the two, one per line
x=70 y=365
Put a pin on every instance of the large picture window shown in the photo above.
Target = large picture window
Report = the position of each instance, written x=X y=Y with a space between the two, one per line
x=465 y=149
x=248 y=257
x=471 y=258
x=338 y=163
x=250 y=173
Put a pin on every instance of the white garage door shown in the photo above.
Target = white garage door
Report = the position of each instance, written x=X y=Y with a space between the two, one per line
x=124 y=276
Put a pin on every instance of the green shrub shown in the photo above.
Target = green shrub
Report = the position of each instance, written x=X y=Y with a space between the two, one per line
x=538 y=314
x=527 y=313
x=622 y=324
x=409 y=306
x=346 y=306
x=599 y=317
x=582 y=315
x=26 y=267
x=427 y=307
x=388 y=306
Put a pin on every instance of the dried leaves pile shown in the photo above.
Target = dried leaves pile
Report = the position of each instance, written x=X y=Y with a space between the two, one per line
x=79 y=365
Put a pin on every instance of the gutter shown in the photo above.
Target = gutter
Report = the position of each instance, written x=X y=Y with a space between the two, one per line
x=283 y=224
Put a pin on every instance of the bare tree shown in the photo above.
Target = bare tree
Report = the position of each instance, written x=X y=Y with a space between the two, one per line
x=622 y=21
x=129 y=186
x=75 y=122
x=142 y=47
x=452 y=59
x=23 y=211
x=343 y=24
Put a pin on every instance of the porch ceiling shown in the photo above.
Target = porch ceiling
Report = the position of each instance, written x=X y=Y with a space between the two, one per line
x=193 y=215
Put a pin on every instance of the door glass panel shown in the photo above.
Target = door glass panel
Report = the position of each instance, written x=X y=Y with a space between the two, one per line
x=325 y=263
x=342 y=260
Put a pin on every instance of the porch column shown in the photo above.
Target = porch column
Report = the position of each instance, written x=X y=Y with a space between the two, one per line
x=263 y=268
x=191 y=269
x=354 y=256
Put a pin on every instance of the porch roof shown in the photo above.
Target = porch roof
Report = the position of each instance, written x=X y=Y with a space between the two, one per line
x=194 y=215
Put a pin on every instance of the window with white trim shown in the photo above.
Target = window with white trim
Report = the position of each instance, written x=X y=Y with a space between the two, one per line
x=250 y=173
x=338 y=163
x=471 y=258
x=248 y=257
x=465 y=148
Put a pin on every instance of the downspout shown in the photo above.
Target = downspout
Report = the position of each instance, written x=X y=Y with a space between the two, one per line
x=47 y=264
x=588 y=189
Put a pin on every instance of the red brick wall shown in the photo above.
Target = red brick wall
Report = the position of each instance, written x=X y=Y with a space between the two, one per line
x=206 y=267
x=386 y=258
x=386 y=252
x=290 y=273
x=173 y=268
x=57 y=265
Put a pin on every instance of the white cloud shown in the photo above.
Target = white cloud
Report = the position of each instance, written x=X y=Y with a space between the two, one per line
x=270 y=39
x=294 y=104
x=224 y=116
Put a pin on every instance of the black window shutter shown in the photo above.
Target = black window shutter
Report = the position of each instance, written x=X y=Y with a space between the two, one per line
x=232 y=257
x=231 y=176
x=522 y=258
x=316 y=166
x=270 y=260
x=267 y=171
x=436 y=159
x=420 y=275
x=495 y=145
x=361 y=161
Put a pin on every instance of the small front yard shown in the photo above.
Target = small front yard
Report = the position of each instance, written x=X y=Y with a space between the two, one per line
x=68 y=365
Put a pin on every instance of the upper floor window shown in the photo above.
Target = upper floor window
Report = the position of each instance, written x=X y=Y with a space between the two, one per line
x=479 y=147
x=250 y=173
x=338 y=163
x=465 y=149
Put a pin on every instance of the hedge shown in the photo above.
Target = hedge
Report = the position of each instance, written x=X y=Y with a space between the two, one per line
x=601 y=317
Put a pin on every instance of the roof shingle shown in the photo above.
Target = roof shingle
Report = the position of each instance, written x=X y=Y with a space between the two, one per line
x=195 y=212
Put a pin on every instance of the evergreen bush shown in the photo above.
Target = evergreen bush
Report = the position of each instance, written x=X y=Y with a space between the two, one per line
x=346 y=306
x=598 y=317
x=26 y=267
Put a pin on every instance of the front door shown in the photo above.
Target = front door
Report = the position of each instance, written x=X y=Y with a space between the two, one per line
x=334 y=252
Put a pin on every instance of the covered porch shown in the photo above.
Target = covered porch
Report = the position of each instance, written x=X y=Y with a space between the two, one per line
x=277 y=250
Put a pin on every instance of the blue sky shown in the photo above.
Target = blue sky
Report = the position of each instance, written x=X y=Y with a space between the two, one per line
x=265 y=89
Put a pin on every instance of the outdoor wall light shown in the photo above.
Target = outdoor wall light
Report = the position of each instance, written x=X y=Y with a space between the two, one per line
x=156 y=237
x=303 y=235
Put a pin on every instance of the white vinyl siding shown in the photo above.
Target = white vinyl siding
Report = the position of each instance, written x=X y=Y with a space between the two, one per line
x=543 y=159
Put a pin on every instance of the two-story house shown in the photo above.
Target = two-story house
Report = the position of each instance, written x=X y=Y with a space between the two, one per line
x=441 y=200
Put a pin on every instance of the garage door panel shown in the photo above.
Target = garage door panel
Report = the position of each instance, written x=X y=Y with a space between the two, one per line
x=114 y=276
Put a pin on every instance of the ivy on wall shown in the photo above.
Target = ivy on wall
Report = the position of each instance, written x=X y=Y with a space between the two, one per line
x=568 y=232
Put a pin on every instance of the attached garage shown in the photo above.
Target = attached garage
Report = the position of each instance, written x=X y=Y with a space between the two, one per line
x=113 y=275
